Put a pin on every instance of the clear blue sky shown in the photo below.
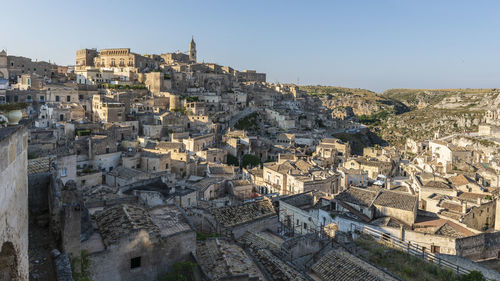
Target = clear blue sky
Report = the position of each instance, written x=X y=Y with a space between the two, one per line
x=373 y=44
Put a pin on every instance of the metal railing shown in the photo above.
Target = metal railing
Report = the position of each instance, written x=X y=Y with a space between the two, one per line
x=411 y=248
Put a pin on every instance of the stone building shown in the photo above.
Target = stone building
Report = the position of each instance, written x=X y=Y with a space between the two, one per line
x=14 y=264
x=123 y=58
x=251 y=76
x=107 y=110
x=132 y=243
x=16 y=66
x=176 y=57
x=85 y=57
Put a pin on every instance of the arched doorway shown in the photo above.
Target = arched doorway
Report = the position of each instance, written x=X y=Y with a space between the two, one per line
x=8 y=262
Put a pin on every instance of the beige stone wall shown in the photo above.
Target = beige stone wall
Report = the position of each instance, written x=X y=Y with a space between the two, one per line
x=481 y=216
x=20 y=65
x=14 y=198
x=157 y=257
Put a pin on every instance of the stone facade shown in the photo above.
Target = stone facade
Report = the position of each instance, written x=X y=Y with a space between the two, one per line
x=14 y=203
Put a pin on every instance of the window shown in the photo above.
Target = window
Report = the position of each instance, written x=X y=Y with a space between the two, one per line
x=435 y=249
x=386 y=236
x=42 y=98
x=107 y=149
x=63 y=172
x=61 y=117
x=16 y=98
x=166 y=166
x=135 y=262
x=305 y=226
x=68 y=98
x=298 y=222
x=57 y=98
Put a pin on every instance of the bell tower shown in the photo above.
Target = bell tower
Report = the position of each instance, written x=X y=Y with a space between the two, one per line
x=192 y=50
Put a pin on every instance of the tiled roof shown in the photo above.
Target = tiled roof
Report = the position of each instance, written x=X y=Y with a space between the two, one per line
x=126 y=173
x=279 y=270
x=340 y=265
x=261 y=240
x=222 y=260
x=169 y=219
x=450 y=206
x=442 y=227
x=120 y=220
x=301 y=200
x=163 y=145
x=460 y=180
x=206 y=182
x=281 y=168
x=39 y=165
x=388 y=221
x=241 y=182
x=396 y=200
x=219 y=169
x=472 y=197
x=357 y=196
x=448 y=230
x=437 y=184
x=234 y=215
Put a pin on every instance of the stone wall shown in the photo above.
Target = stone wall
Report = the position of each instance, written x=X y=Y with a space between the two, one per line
x=269 y=223
x=481 y=246
x=14 y=203
x=157 y=257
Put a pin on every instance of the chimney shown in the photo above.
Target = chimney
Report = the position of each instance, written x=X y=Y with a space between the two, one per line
x=464 y=207
x=479 y=201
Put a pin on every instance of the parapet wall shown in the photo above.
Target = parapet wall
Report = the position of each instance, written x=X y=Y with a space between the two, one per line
x=14 y=202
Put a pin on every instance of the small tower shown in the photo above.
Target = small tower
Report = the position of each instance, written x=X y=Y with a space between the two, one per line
x=192 y=50
x=4 y=73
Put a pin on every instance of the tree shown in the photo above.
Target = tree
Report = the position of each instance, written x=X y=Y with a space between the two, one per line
x=250 y=159
x=231 y=160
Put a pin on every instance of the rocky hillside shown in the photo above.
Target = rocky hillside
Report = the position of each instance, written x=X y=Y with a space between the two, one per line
x=358 y=101
x=447 y=111
x=445 y=98
x=398 y=114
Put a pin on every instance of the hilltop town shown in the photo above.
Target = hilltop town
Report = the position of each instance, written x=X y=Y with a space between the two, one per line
x=128 y=166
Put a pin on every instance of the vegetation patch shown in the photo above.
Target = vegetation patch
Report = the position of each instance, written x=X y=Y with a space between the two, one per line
x=200 y=236
x=248 y=123
x=84 y=261
x=126 y=87
x=181 y=271
x=406 y=266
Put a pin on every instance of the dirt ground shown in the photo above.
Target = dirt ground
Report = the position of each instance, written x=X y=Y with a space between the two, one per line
x=41 y=243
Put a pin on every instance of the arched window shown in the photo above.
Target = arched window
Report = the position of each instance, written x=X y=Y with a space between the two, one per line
x=8 y=264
